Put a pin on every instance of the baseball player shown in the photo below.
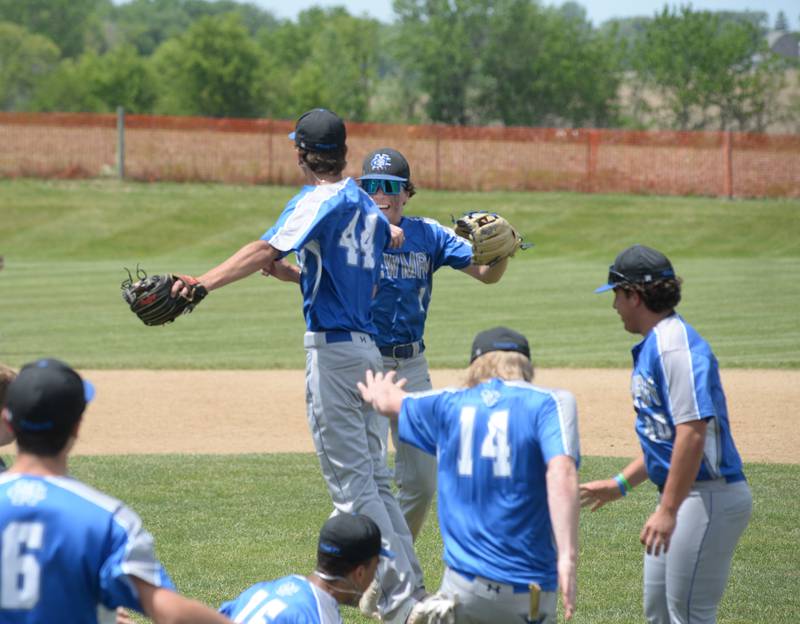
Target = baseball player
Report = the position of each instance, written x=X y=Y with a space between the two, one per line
x=339 y=236
x=507 y=455
x=401 y=307
x=347 y=557
x=66 y=548
x=687 y=450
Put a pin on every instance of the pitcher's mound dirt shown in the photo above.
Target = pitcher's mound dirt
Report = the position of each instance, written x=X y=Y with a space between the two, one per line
x=139 y=411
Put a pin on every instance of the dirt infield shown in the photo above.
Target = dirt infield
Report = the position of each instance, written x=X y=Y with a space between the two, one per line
x=264 y=411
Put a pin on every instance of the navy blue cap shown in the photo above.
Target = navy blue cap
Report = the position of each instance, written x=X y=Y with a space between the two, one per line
x=499 y=339
x=46 y=395
x=385 y=164
x=352 y=537
x=319 y=130
x=637 y=265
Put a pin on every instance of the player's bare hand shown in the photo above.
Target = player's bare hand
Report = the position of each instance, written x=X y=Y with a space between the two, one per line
x=398 y=237
x=598 y=493
x=384 y=392
x=183 y=286
x=568 y=584
x=281 y=270
x=657 y=531
x=123 y=617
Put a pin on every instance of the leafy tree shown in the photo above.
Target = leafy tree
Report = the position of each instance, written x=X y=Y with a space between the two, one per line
x=440 y=49
x=99 y=83
x=781 y=22
x=25 y=59
x=209 y=70
x=327 y=58
x=68 y=23
x=708 y=70
x=148 y=23
x=546 y=66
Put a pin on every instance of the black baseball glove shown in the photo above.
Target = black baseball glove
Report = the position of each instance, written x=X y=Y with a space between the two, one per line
x=150 y=298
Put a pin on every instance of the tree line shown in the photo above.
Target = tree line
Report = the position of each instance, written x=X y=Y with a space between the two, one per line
x=486 y=62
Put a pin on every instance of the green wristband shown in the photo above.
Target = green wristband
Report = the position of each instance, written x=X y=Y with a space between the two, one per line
x=623 y=484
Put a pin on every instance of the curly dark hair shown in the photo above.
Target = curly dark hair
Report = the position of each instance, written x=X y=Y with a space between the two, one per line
x=325 y=163
x=411 y=189
x=658 y=296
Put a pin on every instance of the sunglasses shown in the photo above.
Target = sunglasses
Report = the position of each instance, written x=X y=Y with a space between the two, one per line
x=615 y=277
x=389 y=187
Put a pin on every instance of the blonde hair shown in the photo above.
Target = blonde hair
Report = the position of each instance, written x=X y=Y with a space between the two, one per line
x=7 y=375
x=508 y=365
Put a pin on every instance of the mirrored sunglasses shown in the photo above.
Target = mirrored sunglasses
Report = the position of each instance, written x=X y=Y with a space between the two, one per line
x=389 y=187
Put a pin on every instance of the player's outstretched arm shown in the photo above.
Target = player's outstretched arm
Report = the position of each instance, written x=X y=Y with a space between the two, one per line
x=595 y=494
x=384 y=392
x=249 y=259
x=164 y=606
x=562 y=499
x=487 y=273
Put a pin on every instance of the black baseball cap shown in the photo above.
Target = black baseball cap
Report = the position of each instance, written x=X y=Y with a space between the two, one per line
x=319 y=130
x=637 y=265
x=385 y=164
x=499 y=339
x=351 y=537
x=47 y=395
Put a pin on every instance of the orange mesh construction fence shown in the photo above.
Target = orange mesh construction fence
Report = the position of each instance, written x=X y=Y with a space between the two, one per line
x=257 y=151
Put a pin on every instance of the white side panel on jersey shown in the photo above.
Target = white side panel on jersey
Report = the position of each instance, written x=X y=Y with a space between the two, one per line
x=140 y=560
x=567 y=409
x=303 y=216
x=676 y=361
x=312 y=247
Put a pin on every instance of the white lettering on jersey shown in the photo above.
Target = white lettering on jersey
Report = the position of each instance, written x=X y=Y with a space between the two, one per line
x=20 y=572
x=494 y=445
x=409 y=265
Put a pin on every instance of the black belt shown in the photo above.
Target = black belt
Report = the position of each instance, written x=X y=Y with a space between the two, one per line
x=403 y=351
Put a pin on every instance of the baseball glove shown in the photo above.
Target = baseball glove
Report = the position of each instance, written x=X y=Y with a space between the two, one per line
x=150 y=298
x=492 y=237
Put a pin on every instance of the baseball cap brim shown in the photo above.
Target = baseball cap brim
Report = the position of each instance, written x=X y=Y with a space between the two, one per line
x=604 y=288
x=292 y=135
x=385 y=552
x=382 y=176
x=88 y=390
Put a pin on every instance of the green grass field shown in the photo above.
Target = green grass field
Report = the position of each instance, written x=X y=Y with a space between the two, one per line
x=223 y=522
x=66 y=243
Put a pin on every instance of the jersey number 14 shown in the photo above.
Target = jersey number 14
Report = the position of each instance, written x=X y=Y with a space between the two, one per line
x=494 y=446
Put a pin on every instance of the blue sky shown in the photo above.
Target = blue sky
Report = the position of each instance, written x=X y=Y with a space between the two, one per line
x=597 y=10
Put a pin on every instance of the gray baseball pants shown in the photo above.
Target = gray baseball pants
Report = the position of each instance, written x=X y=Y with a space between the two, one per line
x=349 y=447
x=483 y=601
x=414 y=470
x=686 y=585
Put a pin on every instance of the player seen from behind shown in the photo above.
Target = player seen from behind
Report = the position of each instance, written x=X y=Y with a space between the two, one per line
x=507 y=481
x=66 y=547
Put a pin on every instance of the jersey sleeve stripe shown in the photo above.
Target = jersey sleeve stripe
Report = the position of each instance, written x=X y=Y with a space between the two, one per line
x=302 y=218
x=677 y=367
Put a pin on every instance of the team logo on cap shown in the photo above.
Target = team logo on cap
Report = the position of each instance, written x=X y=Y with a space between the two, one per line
x=380 y=162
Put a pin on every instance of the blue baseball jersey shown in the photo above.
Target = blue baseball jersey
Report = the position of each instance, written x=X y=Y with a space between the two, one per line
x=676 y=380
x=493 y=443
x=401 y=304
x=288 y=600
x=339 y=235
x=69 y=549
